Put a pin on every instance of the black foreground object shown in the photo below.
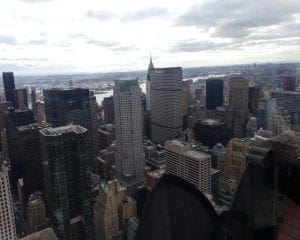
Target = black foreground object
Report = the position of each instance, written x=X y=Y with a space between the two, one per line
x=177 y=210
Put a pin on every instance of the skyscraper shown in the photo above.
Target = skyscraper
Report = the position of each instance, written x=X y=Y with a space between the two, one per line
x=7 y=220
x=238 y=103
x=67 y=181
x=66 y=106
x=166 y=103
x=129 y=133
x=9 y=88
x=21 y=95
x=289 y=83
x=214 y=93
x=108 y=108
x=148 y=84
x=255 y=94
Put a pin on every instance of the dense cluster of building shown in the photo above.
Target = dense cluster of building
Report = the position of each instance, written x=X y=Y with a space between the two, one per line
x=67 y=172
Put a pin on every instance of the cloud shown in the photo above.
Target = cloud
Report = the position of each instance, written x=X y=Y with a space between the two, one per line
x=196 y=46
x=146 y=14
x=235 y=19
x=37 y=42
x=102 y=43
x=100 y=15
x=8 y=40
x=123 y=48
x=24 y=59
x=62 y=44
x=37 y=1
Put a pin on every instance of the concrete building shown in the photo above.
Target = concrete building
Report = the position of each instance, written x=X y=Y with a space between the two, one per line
x=289 y=83
x=67 y=181
x=105 y=135
x=238 y=104
x=110 y=212
x=9 y=88
x=130 y=160
x=189 y=164
x=7 y=219
x=39 y=111
x=220 y=152
x=235 y=162
x=21 y=95
x=103 y=165
x=36 y=212
x=214 y=93
x=166 y=103
x=265 y=109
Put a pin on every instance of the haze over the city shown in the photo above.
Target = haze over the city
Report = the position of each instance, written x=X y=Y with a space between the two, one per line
x=65 y=36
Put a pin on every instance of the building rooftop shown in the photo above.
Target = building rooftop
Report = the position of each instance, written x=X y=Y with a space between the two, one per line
x=196 y=154
x=45 y=234
x=62 y=130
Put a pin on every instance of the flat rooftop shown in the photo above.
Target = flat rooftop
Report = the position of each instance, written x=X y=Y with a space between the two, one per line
x=62 y=130
x=45 y=234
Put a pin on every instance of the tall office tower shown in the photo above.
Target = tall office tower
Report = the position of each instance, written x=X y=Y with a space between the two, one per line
x=3 y=108
x=39 y=111
x=220 y=151
x=255 y=94
x=130 y=162
x=289 y=83
x=30 y=157
x=108 y=215
x=94 y=125
x=21 y=95
x=108 y=108
x=290 y=102
x=265 y=110
x=66 y=106
x=166 y=103
x=189 y=164
x=33 y=97
x=13 y=119
x=148 y=84
x=186 y=95
x=36 y=212
x=235 y=162
x=67 y=181
x=7 y=220
x=9 y=88
x=212 y=131
x=238 y=103
x=214 y=93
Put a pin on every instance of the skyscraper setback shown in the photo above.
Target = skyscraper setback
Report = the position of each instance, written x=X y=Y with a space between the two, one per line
x=166 y=103
x=9 y=88
x=129 y=133
x=66 y=106
x=67 y=181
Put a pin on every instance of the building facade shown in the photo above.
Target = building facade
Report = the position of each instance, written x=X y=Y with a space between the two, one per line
x=238 y=104
x=214 y=93
x=7 y=219
x=22 y=97
x=130 y=160
x=191 y=165
x=166 y=103
x=9 y=88
x=67 y=181
x=108 y=108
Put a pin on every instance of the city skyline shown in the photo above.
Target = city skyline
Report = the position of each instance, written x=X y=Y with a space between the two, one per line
x=61 y=36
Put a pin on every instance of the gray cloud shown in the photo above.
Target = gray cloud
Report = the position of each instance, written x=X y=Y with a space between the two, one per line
x=37 y=42
x=8 y=40
x=145 y=14
x=192 y=45
x=37 y=1
x=100 y=15
x=102 y=43
x=62 y=44
x=234 y=18
x=124 y=48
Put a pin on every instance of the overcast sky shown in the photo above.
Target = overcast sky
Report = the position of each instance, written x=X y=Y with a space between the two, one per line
x=58 y=36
